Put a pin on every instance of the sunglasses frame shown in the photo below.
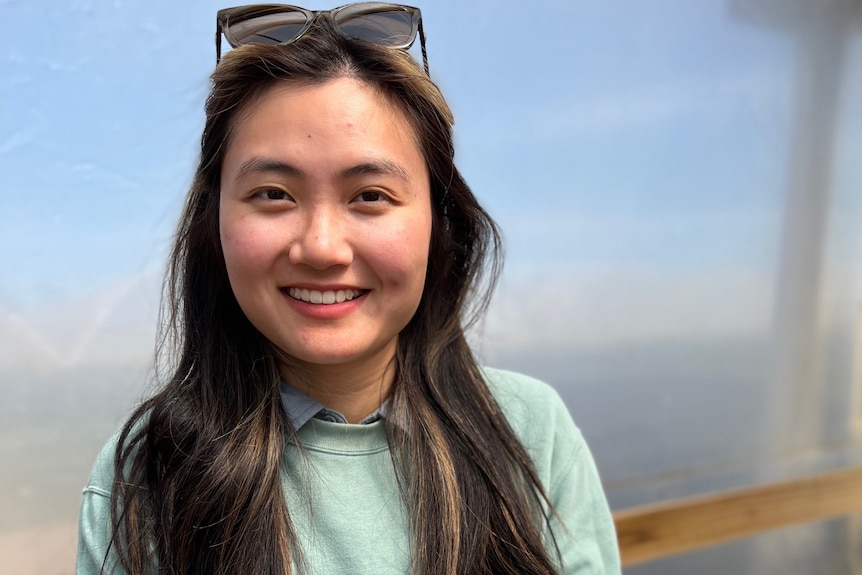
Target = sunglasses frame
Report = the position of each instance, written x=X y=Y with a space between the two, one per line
x=226 y=16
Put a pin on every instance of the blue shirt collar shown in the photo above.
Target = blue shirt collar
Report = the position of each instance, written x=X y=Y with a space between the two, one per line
x=300 y=409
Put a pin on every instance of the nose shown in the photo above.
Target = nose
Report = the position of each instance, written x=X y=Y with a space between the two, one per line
x=322 y=241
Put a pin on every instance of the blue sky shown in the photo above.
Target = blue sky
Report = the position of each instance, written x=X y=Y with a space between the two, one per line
x=648 y=136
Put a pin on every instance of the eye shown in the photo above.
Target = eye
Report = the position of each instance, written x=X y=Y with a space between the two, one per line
x=272 y=194
x=372 y=196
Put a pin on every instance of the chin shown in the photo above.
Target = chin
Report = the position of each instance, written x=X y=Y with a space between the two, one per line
x=328 y=357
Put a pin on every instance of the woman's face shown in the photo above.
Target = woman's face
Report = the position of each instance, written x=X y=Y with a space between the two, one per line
x=325 y=221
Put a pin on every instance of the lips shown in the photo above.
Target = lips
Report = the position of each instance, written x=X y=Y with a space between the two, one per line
x=327 y=297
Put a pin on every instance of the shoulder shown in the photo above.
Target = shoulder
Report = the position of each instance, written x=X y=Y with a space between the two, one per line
x=518 y=391
x=102 y=475
x=533 y=408
x=582 y=525
x=539 y=418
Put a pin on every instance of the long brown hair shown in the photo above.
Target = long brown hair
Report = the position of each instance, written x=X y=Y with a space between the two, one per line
x=198 y=466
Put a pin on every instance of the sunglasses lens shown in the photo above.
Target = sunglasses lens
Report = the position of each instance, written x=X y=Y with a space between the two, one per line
x=393 y=28
x=261 y=27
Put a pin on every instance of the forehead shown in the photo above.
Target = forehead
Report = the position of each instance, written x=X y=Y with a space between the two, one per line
x=331 y=124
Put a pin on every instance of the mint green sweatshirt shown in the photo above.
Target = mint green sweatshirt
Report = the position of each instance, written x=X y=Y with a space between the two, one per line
x=349 y=515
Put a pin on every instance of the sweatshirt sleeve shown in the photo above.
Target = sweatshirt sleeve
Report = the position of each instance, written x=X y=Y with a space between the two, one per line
x=583 y=527
x=94 y=523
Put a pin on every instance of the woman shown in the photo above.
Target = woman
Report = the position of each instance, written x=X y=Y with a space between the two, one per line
x=321 y=278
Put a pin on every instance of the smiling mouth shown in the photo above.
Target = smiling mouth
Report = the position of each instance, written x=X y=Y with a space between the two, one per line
x=328 y=297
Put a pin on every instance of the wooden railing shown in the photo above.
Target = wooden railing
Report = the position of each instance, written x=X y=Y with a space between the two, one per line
x=665 y=529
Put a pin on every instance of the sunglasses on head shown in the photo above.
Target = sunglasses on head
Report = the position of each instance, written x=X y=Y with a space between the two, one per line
x=390 y=25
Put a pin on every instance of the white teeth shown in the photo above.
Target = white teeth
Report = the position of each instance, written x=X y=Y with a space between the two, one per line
x=324 y=297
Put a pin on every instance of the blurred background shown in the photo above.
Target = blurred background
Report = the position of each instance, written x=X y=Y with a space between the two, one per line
x=680 y=188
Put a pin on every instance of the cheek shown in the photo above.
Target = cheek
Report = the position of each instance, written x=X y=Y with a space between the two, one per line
x=245 y=249
x=404 y=256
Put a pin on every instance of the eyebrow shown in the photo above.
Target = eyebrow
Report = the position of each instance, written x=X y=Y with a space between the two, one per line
x=259 y=164
x=376 y=167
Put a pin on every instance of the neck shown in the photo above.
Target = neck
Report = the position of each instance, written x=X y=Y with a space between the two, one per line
x=355 y=390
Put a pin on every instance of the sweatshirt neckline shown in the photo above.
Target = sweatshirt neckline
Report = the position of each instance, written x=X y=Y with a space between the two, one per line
x=343 y=438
